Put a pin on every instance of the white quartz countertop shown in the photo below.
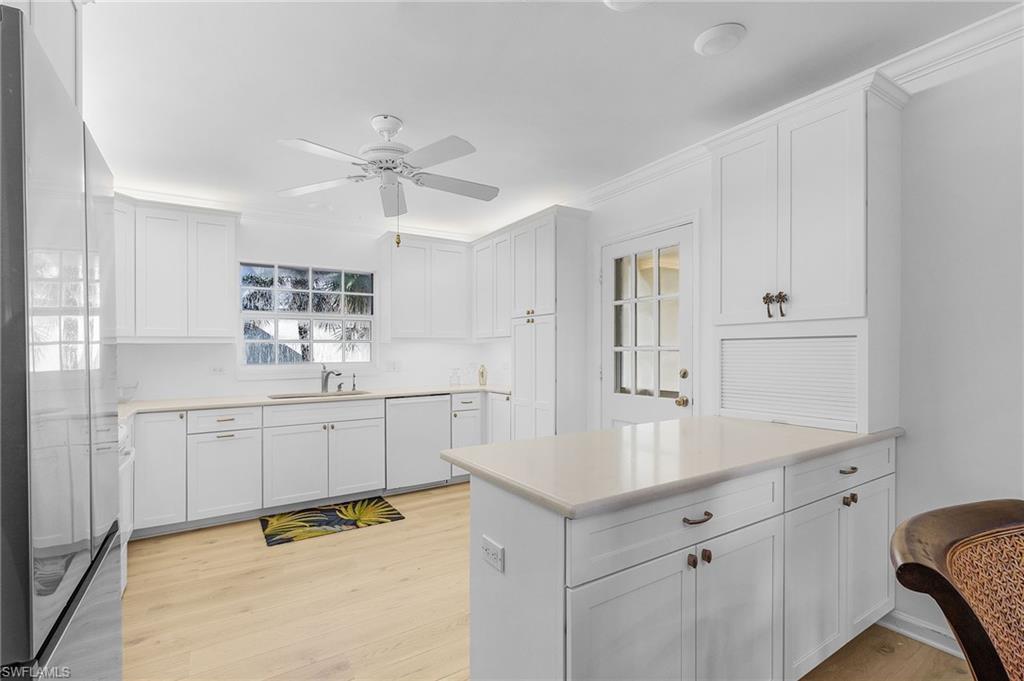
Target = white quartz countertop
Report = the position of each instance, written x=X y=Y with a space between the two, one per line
x=581 y=474
x=127 y=409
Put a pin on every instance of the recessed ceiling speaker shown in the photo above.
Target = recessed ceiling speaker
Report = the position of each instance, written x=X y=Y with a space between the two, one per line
x=719 y=39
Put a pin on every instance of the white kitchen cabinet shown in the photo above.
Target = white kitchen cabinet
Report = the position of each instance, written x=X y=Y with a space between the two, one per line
x=449 y=291
x=502 y=285
x=428 y=293
x=161 y=272
x=483 y=290
x=355 y=456
x=295 y=464
x=467 y=429
x=635 y=624
x=499 y=418
x=533 y=267
x=533 y=377
x=739 y=604
x=160 y=485
x=224 y=473
x=871 y=522
x=124 y=268
x=418 y=430
x=212 y=276
x=410 y=288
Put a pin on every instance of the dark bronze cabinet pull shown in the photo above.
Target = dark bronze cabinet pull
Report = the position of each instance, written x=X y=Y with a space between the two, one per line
x=705 y=555
x=847 y=501
x=768 y=299
x=691 y=560
x=781 y=298
x=854 y=497
x=708 y=515
x=848 y=471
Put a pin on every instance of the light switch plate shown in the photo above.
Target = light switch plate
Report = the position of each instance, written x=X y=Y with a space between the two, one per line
x=494 y=553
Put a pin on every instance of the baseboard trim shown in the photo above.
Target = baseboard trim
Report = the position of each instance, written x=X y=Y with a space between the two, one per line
x=922 y=632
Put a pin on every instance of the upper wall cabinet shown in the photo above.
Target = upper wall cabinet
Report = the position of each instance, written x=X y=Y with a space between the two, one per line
x=492 y=286
x=789 y=208
x=426 y=288
x=176 y=272
x=533 y=267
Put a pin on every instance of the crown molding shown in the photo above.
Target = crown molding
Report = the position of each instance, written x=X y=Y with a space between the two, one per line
x=668 y=165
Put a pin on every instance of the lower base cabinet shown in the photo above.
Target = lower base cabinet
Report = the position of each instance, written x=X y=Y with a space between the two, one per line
x=712 y=611
x=499 y=418
x=467 y=431
x=295 y=464
x=224 y=473
x=159 y=469
x=355 y=456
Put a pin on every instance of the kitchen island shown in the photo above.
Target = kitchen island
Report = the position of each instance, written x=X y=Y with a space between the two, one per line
x=661 y=550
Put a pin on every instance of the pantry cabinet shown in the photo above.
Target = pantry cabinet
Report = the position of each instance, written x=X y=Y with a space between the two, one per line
x=533 y=267
x=160 y=490
x=224 y=473
x=427 y=291
x=295 y=463
x=533 y=377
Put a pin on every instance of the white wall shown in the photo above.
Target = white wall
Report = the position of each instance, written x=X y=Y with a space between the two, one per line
x=962 y=345
x=183 y=370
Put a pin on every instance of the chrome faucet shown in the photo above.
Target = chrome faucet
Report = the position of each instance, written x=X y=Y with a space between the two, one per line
x=324 y=375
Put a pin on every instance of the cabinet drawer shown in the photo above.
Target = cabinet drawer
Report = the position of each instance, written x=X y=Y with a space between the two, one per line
x=465 y=401
x=322 y=412
x=819 y=478
x=217 y=420
x=602 y=544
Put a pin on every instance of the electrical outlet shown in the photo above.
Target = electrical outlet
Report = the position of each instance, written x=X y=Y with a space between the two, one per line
x=494 y=553
x=217 y=371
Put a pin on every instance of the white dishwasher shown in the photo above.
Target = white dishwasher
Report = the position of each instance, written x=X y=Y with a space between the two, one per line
x=417 y=430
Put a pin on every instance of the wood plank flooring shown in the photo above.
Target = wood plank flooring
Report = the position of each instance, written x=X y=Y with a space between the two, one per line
x=375 y=604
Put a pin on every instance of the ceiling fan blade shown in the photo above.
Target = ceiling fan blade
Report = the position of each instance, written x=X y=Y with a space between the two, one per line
x=393 y=198
x=442 y=150
x=474 y=190
x=320 y=150
x=317 y=186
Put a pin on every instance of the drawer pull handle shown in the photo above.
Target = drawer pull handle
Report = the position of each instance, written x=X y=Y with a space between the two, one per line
x=225 y=420
x=220 y=437
x=465 y=401
x=705 y=555
x=691 y=560
x=708 y=515
x=848 y=471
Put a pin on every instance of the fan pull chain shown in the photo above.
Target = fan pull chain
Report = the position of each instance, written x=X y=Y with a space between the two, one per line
x=398 y=231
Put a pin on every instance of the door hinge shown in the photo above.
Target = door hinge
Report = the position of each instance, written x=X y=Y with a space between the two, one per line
x=600 y=374
x=600 y=278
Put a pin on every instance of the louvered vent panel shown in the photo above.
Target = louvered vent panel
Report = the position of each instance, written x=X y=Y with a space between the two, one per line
x=796 y=379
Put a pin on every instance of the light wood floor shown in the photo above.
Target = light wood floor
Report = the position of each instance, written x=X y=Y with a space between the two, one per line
x=380 y=603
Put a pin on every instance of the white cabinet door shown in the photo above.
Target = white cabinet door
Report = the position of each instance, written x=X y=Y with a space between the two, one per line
x=524 y=270
x=294 y=464
x=502 y=286
x=449 y=294
x=533 y=377
x=635 y=624
x=544 y=269
x=822 y=228
x=212 y=276
x=816 y=569
x=356 y=459
x=544 y=377
x=483 y=290
x=161 y=272
x=124 y=268
x=499 y=418
x=410 y=289
x=159 y=469
x=467 y=431
x=225 y=473
x=745 y=200
x=871 y=519
x=739 y=604
x=418 y=429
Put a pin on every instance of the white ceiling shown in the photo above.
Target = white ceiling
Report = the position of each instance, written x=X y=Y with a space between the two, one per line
x=189 y=98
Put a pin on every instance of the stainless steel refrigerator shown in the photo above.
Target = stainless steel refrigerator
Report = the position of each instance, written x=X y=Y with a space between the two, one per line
x=59 y=560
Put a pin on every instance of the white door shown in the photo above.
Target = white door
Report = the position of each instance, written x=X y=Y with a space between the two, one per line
x=502 y=286
x=356 y=456
x=499 y=418
x=449 y=292
x=483 y=290
x=418 y=430
x=124 y=268
x=636 y=624
x=159 y=469
x=467 y=431
x=161 y=272
x=739 y=605
x=822 y=237
x=745 y=203
x=871 y=519
x=647 y=328
x=524 y=270
x=816 y=560
x=212 y=276
x=410 y=289
x=294 y=464
x=225 y=473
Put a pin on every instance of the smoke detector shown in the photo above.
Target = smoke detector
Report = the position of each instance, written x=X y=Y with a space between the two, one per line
x=719 y=39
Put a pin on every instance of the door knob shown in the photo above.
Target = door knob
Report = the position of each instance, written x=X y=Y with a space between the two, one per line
x=684 y=373
x=682 y=401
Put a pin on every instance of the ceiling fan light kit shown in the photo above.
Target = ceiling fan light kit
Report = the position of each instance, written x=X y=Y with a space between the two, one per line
x=392 y=161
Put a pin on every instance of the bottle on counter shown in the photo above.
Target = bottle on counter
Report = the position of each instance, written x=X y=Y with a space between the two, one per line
x=481 y=375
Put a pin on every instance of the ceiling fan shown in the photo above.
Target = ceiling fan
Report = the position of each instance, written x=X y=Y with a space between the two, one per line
x=391 y=161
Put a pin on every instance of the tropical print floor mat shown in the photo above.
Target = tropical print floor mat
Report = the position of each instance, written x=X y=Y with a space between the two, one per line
x=316 y=522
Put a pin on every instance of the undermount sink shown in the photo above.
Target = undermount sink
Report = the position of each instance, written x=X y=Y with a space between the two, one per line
x=342 y=393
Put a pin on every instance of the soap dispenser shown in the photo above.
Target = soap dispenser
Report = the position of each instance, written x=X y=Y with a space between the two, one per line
x=481 y=375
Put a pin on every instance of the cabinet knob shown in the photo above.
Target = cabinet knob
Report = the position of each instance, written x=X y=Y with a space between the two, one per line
x=455 y=415
x=854 y=497
x=705 y=555
x=324 y=426
x=691 y=560
x=332 y=426
x=847 y=501
x=682 y=401
x=181 y=416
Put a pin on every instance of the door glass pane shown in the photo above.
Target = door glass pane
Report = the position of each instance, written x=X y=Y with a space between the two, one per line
x=645 y=323
x=624 y=277
x=645 y=274
x=624 y=372
x=623 y=325
x=668 y=373
x=645 y=372
x=668 y=270
x=669 y=322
